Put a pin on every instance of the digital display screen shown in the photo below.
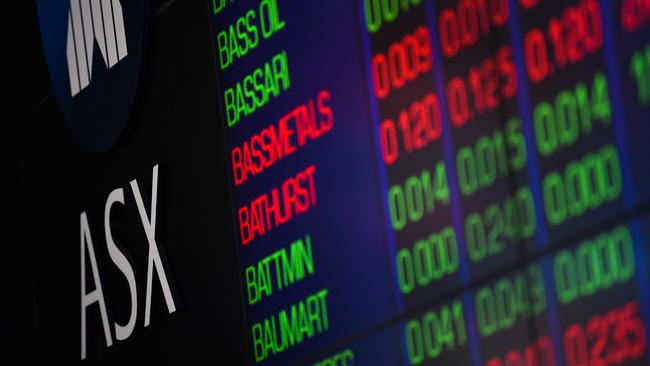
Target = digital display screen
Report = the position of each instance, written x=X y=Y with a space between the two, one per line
x=419 y=182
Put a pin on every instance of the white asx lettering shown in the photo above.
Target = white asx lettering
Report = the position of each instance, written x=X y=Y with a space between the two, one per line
x=155 y=268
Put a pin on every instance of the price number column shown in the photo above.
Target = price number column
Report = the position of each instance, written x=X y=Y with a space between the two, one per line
x=491 y=154
x=409 y=128
x=570 y=113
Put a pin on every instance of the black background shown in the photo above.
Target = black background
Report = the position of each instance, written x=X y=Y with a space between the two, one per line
x=48 y=179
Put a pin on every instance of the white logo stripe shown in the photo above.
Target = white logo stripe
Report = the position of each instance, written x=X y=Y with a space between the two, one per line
x=90 y=21
x=77 y=27
x=118 y=18
x=72 y=62
x=109 y=32
x=98 y=26
x=88 y=35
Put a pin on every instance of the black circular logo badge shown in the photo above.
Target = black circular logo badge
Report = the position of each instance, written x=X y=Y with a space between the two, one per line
x=94 y=51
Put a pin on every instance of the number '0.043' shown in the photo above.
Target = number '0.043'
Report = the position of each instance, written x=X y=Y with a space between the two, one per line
x=500 y=305
x=403 y=62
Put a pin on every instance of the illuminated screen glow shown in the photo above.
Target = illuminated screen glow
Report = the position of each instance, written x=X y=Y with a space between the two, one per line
x=421 y=182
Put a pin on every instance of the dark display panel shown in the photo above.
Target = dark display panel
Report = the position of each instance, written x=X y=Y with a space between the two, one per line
x=421 y=182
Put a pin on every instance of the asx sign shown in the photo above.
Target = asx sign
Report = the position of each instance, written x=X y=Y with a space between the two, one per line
x=93 y=271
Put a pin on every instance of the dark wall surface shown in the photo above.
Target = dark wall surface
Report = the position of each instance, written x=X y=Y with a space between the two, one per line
x=48 y=180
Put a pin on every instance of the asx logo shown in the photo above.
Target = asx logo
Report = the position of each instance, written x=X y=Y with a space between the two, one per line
x=94 y=51
x=93 y=22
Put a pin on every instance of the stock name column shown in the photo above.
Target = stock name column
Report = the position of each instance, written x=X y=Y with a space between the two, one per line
x=311 y=259
x=581 y=179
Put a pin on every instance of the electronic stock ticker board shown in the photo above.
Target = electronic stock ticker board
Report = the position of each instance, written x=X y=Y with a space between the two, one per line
x=420 y=182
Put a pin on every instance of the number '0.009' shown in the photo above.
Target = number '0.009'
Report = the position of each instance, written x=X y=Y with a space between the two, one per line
x=404 y=62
